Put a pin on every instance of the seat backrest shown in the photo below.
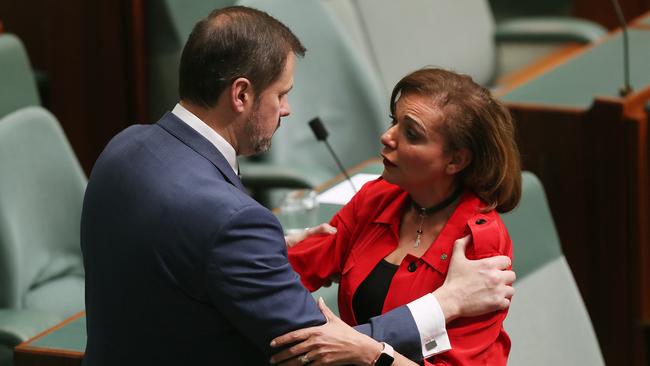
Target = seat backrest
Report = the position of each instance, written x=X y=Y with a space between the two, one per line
x=332 y=82
x=404 y=36
x=17 y=83
x=41 y=193
x=169 y=24
x=547 y=322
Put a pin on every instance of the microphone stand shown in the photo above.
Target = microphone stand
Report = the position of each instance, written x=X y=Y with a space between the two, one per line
x=626 y=88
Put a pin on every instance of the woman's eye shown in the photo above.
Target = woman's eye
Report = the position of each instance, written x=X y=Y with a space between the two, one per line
x=410 y=134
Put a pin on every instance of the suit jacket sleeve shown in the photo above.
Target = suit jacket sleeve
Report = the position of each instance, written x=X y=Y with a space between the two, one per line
x=250 y=281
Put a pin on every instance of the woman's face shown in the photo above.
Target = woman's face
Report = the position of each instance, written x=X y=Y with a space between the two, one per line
x=414 y=151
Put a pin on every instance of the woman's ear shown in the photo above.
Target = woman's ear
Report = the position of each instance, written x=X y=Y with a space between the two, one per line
x=460 y=159
x=241 y=94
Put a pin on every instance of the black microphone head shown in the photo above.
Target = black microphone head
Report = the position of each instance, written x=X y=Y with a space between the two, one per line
x=319 y=129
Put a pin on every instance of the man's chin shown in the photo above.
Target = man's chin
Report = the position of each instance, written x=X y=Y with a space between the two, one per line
x=262 y=147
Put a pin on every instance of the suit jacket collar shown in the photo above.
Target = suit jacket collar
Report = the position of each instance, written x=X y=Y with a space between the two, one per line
x=179 y=129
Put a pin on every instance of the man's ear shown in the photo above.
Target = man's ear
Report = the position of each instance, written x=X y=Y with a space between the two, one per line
x=241 y=94
x=460 y=159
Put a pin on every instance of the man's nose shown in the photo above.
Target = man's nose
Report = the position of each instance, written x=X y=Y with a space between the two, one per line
x=285 y=109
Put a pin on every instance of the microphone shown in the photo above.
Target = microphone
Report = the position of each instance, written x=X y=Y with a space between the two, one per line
x=626 y=88
x=321 y=134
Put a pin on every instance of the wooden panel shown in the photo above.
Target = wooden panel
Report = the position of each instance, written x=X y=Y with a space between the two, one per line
x=602 y=11
x=93 y=53
x=594 y=166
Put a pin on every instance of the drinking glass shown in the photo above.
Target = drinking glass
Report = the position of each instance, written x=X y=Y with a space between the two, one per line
x=298 y=210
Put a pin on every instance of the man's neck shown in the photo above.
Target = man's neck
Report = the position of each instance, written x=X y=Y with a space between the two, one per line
x=216 y=120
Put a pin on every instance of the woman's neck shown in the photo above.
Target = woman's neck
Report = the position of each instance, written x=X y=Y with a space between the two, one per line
x=431 y=196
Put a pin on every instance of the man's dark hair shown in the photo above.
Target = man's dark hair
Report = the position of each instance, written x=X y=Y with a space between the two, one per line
x=230 y=43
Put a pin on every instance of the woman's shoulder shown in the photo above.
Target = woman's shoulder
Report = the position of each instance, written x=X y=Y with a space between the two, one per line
x=489 y=234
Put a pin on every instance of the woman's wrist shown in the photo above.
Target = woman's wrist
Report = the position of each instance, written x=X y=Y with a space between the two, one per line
x=369 y=351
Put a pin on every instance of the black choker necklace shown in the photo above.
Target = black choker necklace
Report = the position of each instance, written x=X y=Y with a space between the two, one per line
x=426 y=211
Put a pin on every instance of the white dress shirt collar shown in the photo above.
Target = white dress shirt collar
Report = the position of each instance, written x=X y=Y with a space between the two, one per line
x=211 y=135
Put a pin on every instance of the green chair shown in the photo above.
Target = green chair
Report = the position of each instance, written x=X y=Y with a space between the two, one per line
x=169 y=24
x=41 y=193
x=547 y=322
x=332 y=82
x=461 y=35
x=505 y=9
x=17 y=83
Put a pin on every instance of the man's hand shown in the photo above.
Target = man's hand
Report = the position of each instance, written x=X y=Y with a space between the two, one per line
x=334 y=343
x=475 y=287
x=294 y=239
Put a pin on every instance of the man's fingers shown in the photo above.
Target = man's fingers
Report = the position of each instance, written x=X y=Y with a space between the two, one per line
x=500 y=262
x=508 y=277
x=459 y=247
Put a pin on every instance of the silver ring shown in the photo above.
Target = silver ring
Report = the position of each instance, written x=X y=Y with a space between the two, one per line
x=304 y=359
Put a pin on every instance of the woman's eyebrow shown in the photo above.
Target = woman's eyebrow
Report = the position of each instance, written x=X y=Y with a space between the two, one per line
x=414 y=122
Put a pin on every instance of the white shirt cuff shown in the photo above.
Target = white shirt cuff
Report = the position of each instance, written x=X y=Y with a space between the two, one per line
x=430 y=321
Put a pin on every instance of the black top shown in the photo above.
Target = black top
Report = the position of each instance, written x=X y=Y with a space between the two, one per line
x=369 y=298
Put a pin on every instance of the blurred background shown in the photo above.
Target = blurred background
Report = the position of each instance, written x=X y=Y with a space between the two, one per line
x=101 y=65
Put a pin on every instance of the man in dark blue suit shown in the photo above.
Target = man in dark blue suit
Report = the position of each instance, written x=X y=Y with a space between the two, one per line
x=182 y=266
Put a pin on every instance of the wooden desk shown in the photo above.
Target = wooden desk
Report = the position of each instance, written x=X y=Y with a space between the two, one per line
x=590 y=149
x=62 y=345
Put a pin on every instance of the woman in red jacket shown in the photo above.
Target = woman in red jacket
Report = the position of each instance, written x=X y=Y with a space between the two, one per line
x=450 y=164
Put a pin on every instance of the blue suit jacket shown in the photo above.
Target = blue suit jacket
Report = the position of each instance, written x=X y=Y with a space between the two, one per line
x=183 y=267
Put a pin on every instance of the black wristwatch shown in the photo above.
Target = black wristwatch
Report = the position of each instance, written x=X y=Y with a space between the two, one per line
x=386 y=357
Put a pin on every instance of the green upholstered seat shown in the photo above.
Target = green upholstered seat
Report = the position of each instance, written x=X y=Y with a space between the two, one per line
x=17 y=83
x=41 y=193
x=547 y=322
x=460 y=35
x=531 y=229
x=169 y=24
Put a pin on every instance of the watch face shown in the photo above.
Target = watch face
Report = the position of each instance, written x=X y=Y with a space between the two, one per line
x=384 y=360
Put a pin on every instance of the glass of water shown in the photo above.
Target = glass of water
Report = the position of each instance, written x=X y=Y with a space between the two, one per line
x=298 y=210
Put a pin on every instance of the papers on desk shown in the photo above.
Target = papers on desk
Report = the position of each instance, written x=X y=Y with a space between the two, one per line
x=341 y=193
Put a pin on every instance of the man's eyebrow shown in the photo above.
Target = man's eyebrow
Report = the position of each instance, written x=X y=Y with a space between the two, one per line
x=288 y=90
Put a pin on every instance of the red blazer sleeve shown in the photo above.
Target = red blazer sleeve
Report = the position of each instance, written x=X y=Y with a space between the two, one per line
x=480 y=340
x=318 y=257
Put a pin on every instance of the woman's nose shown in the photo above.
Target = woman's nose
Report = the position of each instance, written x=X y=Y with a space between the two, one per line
x=387 y=138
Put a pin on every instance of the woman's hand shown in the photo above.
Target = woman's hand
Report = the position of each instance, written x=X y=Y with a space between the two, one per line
x=294 y=239
x=334 y=343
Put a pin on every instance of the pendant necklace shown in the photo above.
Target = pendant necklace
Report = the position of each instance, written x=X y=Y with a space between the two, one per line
x=423 y=212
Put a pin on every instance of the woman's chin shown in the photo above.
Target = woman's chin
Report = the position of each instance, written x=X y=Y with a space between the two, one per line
x=388 y=177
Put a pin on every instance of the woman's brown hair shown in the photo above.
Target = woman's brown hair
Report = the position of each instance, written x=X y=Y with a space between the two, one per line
x=476 y=121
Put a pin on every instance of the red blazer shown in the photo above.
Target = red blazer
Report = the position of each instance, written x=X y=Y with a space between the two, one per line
x=367 y=231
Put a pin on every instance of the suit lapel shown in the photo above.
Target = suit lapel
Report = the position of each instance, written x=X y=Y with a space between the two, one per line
x=186 y=134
